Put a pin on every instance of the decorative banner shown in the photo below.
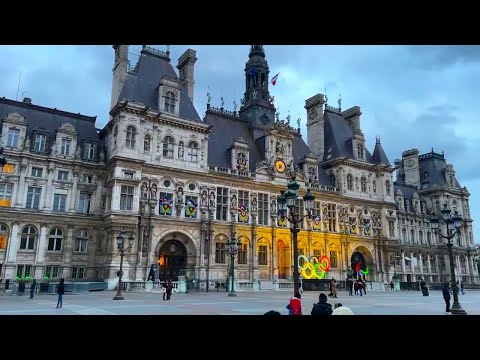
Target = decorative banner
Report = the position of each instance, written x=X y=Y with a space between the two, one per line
x=316 y=223
x=366 y=227
x=359 y=271
x=314 y=268
x=3 y=241
x=243 y=214
x=190 y=209
x=282 y=221
x=166 y=206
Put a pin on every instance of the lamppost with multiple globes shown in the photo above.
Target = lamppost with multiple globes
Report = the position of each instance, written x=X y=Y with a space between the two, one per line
x=453 y=225
x=232 y=249
x=120 y=245
x=288 y=199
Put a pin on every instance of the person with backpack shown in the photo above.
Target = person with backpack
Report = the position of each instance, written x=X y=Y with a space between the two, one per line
x=295 y=305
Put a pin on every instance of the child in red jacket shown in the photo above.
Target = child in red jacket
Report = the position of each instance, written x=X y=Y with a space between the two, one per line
x=295 y=306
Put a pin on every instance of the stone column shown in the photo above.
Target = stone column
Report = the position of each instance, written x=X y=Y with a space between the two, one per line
x=67 y=252
x=46 y=200
x=254 y=262
x=382 y=263
x=40 y=251
x=92 y=250
x=412 y=268
x=429 y=267
x=420 y=262
x=73 y=195
x=403 y=265
x=437 y=265
x=97 y=200
x=21 y=190
x=274 y=254
x=11 y=251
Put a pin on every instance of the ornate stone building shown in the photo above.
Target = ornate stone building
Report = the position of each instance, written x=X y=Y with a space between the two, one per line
x=182 y=186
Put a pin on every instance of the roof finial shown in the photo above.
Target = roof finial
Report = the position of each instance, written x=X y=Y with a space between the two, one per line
x=234 y=105
x=277 y=115
x=340 y=102
x=298 y=122
x=223 y=101
x=288 y=117
x=168 y=50
x=209 y=98
x=326 y=97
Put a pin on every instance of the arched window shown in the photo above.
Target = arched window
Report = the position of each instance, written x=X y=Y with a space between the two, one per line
x=27 y=240
x=3 y=236
x=81 y=241
x=146 y=143
x=388 y=187
x=170 y=102
x=263 y=253
x=242 y=252
x=350 y=182
x=364 y=184
x=168 y=146
x=55 y=240
x=404 y=235
x=220 y=250
x=192 y=154
x=420 y=236
x=332 y=179
x=130 y=139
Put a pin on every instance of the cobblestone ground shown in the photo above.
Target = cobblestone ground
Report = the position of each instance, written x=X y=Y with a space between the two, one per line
x=213 y=303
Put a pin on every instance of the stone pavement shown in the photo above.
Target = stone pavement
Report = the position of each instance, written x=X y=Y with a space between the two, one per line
x=213 y=303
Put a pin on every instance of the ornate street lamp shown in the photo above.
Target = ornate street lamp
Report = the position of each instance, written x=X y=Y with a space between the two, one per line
x=288 y=200
x=453 y=225
x=120 y=246
x=232 y=249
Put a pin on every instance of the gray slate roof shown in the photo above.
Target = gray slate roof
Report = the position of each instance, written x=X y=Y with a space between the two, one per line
x=49 y=120
x=379 y=156
x=141 y=86
x=338 y=136
x=434 y=164
x=227 y=128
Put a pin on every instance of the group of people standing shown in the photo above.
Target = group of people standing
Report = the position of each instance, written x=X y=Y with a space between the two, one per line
x=358 y=286
x=321 y=308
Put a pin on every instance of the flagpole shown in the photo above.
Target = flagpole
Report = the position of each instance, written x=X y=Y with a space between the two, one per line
x=18 y=87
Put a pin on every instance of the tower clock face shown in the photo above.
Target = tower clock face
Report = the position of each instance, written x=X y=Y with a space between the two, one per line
x=280 y=166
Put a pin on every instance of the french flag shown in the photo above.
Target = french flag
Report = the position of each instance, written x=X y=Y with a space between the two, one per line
x=274 y=79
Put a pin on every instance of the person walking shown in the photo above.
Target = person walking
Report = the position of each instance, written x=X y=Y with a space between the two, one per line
x=33 y=286
x=60 y=292
x=350 y=286
x=392 y=286
x=169 y=289
x=461 y=288
x=446 y=297
x=334 y=288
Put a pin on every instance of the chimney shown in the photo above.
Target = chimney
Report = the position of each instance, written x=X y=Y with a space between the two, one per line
x=186 y=68
x=315 y=125
x=27 y=100
x=120 y=68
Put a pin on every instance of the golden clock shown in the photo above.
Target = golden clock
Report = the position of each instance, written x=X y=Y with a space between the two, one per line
x=280 y=166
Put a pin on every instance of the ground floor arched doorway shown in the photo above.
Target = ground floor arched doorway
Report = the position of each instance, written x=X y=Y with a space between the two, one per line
x=172 y=260
x=359 y=263
x=281 y=260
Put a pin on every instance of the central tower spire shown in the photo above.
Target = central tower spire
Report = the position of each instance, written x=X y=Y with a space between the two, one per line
x=257 y=105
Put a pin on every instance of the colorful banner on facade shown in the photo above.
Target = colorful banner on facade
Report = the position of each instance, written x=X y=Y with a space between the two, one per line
x=282 y=221
x=166 y=206
x=316 y=223
x=190 y=209
x=243 y=214
x=3 y=241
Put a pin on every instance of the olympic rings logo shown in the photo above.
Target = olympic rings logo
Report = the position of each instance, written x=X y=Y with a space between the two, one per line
x=316 y=269
x=359 y=271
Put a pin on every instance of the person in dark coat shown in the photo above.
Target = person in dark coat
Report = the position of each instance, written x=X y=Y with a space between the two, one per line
x=350 y=286
x=322 y=307
x=60 y=292
x=461 y=288
x=33 y=286
x=446 y=296
x=392 y=286
x=169 y=289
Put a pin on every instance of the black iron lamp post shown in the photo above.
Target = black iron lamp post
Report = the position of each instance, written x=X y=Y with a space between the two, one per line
x=288 y=199
x=453 y=225
x=232 y=249
x=120 y=246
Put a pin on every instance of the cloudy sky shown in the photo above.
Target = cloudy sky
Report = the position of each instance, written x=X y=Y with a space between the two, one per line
x=411 y=96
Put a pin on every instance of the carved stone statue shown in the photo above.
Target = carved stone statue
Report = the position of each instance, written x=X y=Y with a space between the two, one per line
x=102 y=154
x=144 y=191
x=273 y=208
x=254 y=204
x=233 y=202
x=212 y=199
x=77 y=152
x=153 y=191
x=181 y=150
x=27 y=143
x=204 y=198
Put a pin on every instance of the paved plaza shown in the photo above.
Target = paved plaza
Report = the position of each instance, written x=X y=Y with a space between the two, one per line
x=218 y=303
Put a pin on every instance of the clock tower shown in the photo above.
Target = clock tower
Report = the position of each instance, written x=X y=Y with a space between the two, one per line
x=257 y=104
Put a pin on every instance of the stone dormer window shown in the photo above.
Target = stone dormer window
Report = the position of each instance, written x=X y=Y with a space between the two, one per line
x=40 y=141
x=14 y=129
x=169 y=96
x=65 y=145
x=192 y=153
x=360 y=151
x=66 y=140
x=240 y=154
x=170 y=102
x=168 y=143
x=89 y=151
x=130 y=137
x=13 y=137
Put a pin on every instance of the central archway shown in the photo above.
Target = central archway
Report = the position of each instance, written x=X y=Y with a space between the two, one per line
x=358 y=258
x=172 y=260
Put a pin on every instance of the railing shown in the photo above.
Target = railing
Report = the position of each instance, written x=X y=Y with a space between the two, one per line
x=232 y=172
x=244 y=286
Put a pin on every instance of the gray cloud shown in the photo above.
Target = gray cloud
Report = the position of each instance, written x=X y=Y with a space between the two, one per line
x=445 y=55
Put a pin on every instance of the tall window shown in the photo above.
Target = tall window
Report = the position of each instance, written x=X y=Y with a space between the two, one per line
x=51 y=272
x=193 y=200
x=192 y=154
x=243 y=199
x=130 y=139
x=262 y=255
x=84 y=203
x=387 y=187
x=263 y=209
x=332 y=218
x=6 y=191
x=89 y=153
x=404 y=235
x=146 y=143
x=3 y=236
x=65 y=146
x=220 y=251
x=126 y=197
x=391 y=228
x=78 y=272
x=33 y=197
x=363 y=182
x=59 y=202
x=350 y=182
x=242 y=254
x=37 y=172
x=27 y=239
x=168 y=146
x=170 y=102
x=333 y=259
x=13 y=135
x=62 y=175
x=429 y=238
x=55 y=240
x=412 y=236
x=222 y=203
x=40 y=140
x=420 y=237
x=81 y=241
x=24 y=271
